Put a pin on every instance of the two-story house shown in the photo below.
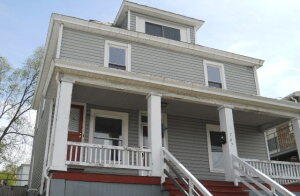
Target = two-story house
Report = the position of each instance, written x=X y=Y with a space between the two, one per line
x=124 y=108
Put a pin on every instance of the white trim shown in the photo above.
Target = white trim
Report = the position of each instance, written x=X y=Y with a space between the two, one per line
x=84 y=117
x=59 y=40
x=128 y=19
x=126 y=47
x=185 y=35
x=164 y=121
x=211 y=127
x=221 y=68
x=256 y=80
x=109 y=114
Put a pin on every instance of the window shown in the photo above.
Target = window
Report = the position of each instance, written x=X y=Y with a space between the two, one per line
x=162 y=31
x=144 y=130
x=108 y=128
x=214 y=74
x=117 y=55
x=215 y=149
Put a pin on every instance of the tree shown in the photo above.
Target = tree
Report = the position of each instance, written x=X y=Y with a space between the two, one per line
x=17 y=87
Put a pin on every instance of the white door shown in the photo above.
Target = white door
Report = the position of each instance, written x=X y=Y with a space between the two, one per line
x=215 y=150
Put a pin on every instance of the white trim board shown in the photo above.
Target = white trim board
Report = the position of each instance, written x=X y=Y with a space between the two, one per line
x=109 y=114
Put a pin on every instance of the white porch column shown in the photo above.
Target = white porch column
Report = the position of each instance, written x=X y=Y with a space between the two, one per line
x=154 y=133
x=296 y=129
x=227 y=125
x=60 y=124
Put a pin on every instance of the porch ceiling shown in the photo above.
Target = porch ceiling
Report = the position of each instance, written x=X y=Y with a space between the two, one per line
x=119 y=99
x=208 y=112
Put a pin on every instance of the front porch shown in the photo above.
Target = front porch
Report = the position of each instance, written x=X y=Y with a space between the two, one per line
x=189 y=132
x=123 y=132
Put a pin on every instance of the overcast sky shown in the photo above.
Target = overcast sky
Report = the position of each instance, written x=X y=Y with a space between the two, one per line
x=266 y=29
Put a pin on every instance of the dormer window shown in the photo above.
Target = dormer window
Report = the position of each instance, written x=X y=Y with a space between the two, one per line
x=117 y=55
x=214 y=74
x=162 y=31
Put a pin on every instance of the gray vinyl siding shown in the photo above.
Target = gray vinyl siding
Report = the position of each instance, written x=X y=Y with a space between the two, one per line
x=83 y=47
x=251 y=143
x=133 y=16
x=40 y=137
x=78 y=188
x=187 y=139
x=89 y=48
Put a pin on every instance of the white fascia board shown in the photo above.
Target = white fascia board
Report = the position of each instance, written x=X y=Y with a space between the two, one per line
x=162 y=14
x=203 y=51
x=189 y=89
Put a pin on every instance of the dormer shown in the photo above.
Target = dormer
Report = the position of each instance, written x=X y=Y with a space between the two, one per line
x=156 y=22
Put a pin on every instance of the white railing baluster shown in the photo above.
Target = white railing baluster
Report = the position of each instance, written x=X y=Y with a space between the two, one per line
x=76 y=151
x=275 y=187
x=86 y=154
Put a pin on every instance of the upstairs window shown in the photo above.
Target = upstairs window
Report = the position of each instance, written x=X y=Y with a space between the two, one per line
x=117 y=58
x=117 y=55
x=214 y=74
x=162 y=31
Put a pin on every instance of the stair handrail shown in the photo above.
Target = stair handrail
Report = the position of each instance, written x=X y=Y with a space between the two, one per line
x=192 y=179
x=244 y=168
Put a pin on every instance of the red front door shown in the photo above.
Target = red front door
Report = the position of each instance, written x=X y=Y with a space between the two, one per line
x=75 y=123
x=75 y=131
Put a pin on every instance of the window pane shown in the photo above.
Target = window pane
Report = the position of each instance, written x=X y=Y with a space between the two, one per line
x=153 y=29
x=171 y=33
x=117 y=56
x=110 y=65
x=216 y=150
x=108 y=131
x=215 y=84
x=214 y=74
x=74 y=119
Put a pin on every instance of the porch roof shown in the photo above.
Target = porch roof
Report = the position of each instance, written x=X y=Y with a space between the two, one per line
x=143 y=84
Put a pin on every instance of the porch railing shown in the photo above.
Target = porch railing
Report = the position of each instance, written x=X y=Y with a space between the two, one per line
x=256 y=180
x=282 y=172
x=95 y=155
x=186 y=182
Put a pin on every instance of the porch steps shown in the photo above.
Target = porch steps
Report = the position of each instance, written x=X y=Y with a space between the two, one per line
x=217 y=188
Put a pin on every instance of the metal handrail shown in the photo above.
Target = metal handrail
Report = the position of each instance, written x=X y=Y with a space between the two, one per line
x=193 y=183
x=248 y=171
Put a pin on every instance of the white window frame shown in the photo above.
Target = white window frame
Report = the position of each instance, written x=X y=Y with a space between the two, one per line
x=220 y=66
x=109 y=114
x=164 y=121
x=185 y=32
x=126 y=47
x=212 y=127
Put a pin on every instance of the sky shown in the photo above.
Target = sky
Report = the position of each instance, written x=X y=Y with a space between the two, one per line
x=265 y=29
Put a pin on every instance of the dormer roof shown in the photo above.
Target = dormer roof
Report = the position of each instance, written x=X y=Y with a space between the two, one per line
x=154 y=12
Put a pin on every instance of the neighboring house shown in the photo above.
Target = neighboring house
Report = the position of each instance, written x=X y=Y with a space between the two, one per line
x=124 y=107
x=23 y=175
x=281 y=139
